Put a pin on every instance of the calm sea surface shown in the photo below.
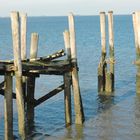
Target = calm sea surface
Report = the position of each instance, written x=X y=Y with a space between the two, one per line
x=115 y=118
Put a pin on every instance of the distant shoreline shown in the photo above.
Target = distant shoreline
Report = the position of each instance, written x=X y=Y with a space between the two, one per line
x=67 y=15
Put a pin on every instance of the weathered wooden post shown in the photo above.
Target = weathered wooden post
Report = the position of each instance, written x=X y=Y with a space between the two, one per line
x=110 y=74
x=18 y=73
x=8 y=107
x=23 y=31
x=105 y=74
x=67 y=82
x=79 y=113
x=136 y=26
x=135 y=33
x=102 y=63
x=31 y=80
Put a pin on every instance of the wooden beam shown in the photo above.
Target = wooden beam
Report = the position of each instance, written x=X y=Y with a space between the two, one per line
x=49 y=95
x=48 y=58
x=2 y=84
x=2 y=93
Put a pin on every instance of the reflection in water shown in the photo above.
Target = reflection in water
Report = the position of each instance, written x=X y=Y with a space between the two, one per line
x=76 y=132
x=106 y=122
x=68 y=132
x=30 y=128
x=137 y=114
x=117 y=118
x=79 y=132
x=105 y=102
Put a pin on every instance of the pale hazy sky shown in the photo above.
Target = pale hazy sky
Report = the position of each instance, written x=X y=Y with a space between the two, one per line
x=63 y=7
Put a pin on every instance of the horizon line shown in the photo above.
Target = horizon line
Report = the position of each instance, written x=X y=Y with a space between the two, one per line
x=67 y=15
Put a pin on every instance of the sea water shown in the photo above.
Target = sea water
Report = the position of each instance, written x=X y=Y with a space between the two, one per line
x=114 y=118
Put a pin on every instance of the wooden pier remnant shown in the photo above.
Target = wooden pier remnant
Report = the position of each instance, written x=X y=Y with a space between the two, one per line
x=102 y=63
x=136 y=27
x=67 y=82
x=23 y=36
x=25 y=70
x=105 y=74
x=8 y=107
x=18 y=73
x=31 y=81
x=79 y=113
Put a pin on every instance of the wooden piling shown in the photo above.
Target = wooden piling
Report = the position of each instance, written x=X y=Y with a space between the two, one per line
x=34 y=45
x=102 y=63
x=67 y=82
x=136 y=26
x=31 y=81
x=108 y=85
x=23 y=31
x=103 y=34
x=66 y=35
x=135 y=34
x=18 y=73
x=110 y=75
x=8 y=107
x=111 y=41
x=79 y=113
x=137 y=18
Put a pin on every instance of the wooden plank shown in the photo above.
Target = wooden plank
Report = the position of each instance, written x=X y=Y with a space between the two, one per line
x=50 y=71
x=79 y=113
x=49 y=95
x=48 y=58
x=45 y=66
x=17 y=62
x=8 y=107
x=45 y=59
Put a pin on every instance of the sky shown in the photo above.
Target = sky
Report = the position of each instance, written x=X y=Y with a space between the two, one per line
x=63 y=7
